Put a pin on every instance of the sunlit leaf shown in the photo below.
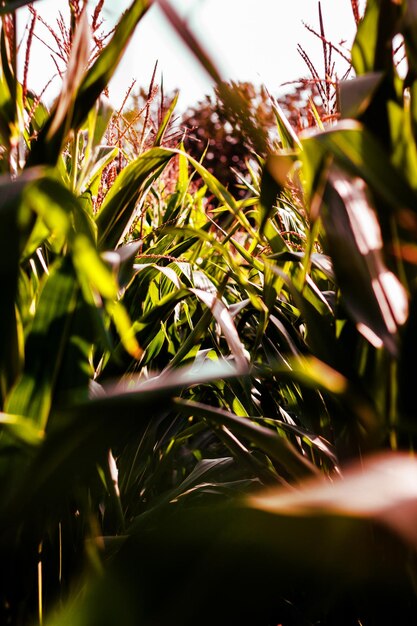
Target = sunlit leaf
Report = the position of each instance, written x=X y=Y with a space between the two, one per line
x=274 y=178
x=21 y=429
x=125 y=328
x=372 y=48
x=381 y=487
x=356 y=150
x=223 y=317
x=372 y=294
x=117 y=210
x=166 y=121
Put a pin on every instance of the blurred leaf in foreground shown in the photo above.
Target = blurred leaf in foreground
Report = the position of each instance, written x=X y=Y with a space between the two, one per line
x=294 y=556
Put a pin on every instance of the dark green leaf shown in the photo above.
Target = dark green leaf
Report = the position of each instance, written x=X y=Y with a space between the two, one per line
x=32 y=395
x=372 y=48
x=306 y=548
x=15 y=225
x=357 y=93
x=373 y=296
x=279 y=448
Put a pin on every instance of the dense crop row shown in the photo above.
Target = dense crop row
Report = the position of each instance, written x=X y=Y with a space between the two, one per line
x=208 y=415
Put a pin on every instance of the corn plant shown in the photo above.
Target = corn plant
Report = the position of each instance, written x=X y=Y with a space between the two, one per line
x=185 y=395
x=93 y=316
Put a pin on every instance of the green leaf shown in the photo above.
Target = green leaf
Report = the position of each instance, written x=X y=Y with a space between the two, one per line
x=16 y=222
x=273 y=181
x=59 y=213
x=89 y=264
x=356 y=150
x=99 y=75
x=119 y=205
x=314 y=374
x=279 y=448
x=224 y=319
x=404 y=152
x=32 y=396
x=214 y=185
x=21 y=429
x=372 y=48
x=97 y=278
x=288 y=136
x=91 y=174
x=79 y=434
x=7 y=98
x=165 y=122
x=357 y=93
x=125 y=328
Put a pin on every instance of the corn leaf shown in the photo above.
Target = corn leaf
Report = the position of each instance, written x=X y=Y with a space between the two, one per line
x=120 y=202
x=356 y=150
x=78 y=434
x=165 y=122
x=357 y=93
x=33 y=393
x=381 y=487
x=16 y=223
x=372 y=48
x=279 y=448
x=297 y=542
x=224 y=319
x=373 y=296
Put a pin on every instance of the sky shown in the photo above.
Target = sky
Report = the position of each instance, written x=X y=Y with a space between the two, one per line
x=253 y=41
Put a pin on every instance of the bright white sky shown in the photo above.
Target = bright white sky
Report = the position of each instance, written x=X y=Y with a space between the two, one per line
x=254 y=41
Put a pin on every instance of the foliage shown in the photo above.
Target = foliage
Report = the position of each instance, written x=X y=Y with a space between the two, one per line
x=219 y=138
x=218 y=133
x=208 y=421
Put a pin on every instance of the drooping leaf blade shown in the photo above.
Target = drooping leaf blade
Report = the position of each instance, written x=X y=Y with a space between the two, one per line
x=278 y=447
x=120 y=202
x=361 y=154
x=372 y=294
